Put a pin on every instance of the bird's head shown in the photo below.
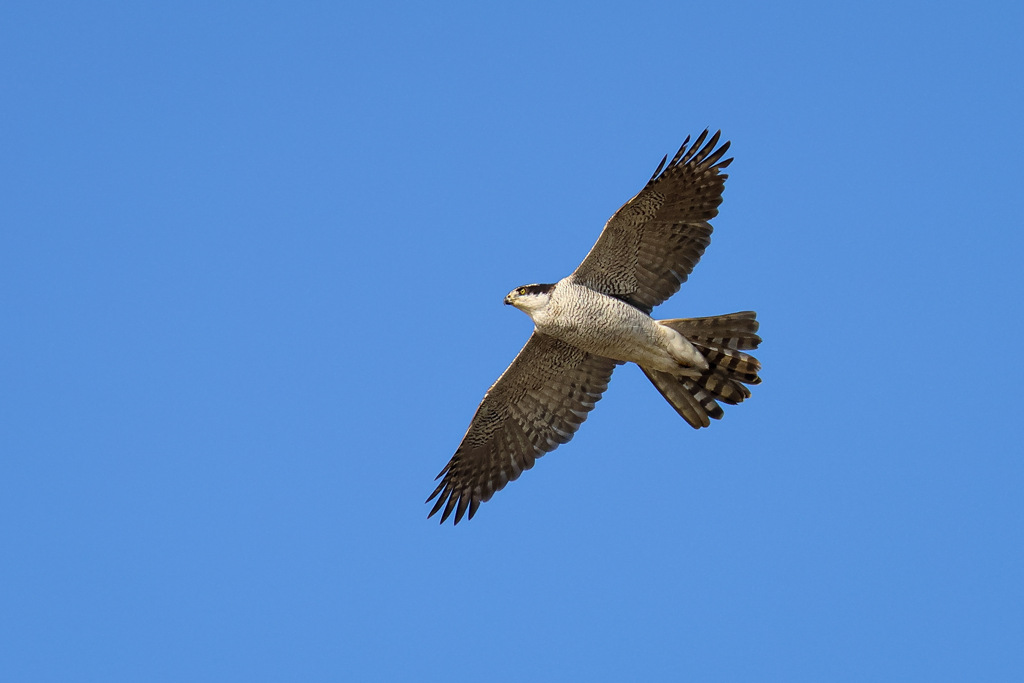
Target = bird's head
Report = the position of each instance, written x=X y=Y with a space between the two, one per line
x=529 y=299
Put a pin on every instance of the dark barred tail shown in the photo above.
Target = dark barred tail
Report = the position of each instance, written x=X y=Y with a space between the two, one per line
x=722 y=340
x=733 y=331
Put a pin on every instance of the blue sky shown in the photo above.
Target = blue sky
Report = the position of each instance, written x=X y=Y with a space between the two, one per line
x=252 y=262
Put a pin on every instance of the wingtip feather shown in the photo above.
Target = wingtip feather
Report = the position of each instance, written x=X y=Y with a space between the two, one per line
x=461 y=509
x=437 y=506
x=660 y=167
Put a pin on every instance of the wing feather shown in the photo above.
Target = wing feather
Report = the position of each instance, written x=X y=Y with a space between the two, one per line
x=537 y=404
x=654 y=241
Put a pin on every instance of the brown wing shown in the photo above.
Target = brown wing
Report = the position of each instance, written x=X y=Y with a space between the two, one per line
x=538 y=403
x=651 y=244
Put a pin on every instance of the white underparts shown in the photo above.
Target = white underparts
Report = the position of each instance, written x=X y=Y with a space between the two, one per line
x=609 y=327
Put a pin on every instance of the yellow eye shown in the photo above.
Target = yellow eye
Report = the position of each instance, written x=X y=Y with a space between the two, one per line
x=521 y=291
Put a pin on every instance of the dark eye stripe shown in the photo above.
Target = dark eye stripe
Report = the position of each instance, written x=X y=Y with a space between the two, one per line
x=535 y=289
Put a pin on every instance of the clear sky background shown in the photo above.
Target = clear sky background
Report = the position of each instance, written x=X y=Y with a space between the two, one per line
x=252 y=261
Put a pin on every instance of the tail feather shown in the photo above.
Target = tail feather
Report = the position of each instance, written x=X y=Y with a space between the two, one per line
x=736 y=364
x=722 y=387
x=732 y=331
x=691 y=402
x=721 y=340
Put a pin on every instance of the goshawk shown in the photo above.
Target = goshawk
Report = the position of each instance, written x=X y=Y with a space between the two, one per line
x=599 y=317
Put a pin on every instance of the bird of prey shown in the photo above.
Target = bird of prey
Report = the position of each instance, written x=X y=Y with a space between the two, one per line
x=599 y=317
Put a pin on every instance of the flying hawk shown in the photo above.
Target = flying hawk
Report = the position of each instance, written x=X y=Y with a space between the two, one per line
x=599 y=317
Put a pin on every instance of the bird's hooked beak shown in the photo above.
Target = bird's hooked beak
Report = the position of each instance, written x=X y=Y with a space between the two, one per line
x=508 y=299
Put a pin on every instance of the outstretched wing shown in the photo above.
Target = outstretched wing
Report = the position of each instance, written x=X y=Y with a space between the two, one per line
x=651 y=244
x=538 y=403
